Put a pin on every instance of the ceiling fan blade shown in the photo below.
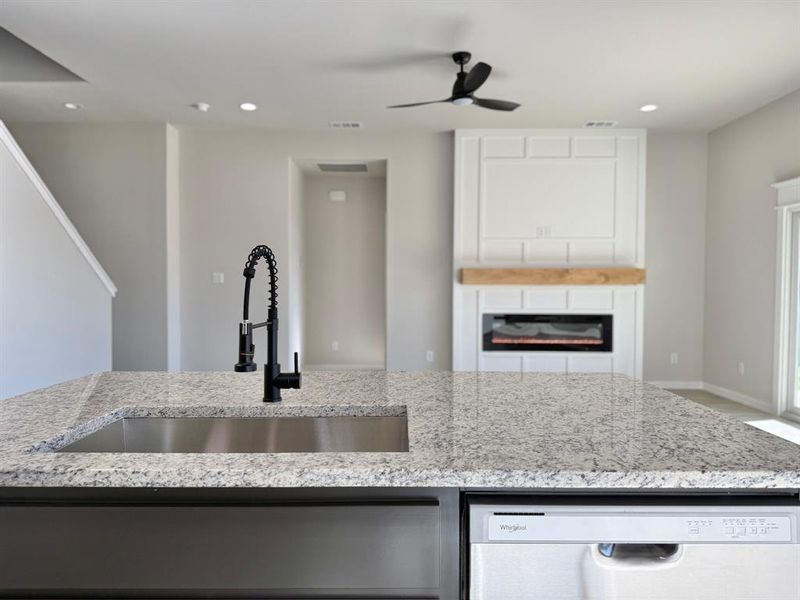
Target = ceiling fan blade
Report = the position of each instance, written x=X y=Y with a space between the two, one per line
x=495 y=104
x=418 y=103
x=476 y=77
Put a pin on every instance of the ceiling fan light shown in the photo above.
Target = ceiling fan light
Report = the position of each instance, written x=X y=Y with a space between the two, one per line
x=466 y=101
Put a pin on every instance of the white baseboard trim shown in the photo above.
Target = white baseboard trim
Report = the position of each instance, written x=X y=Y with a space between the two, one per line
x=678 y=385
x=345 y=367
x=757 y=403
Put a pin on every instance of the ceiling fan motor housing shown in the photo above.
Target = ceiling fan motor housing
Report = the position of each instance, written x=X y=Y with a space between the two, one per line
x=462 y=58
x=458 y=86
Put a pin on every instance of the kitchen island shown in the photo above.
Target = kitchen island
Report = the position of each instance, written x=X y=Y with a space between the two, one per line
x=361 y=525
x=465 y=430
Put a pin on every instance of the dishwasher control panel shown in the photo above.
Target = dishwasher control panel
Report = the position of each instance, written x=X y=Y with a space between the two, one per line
x=750 y=528
x=551 y=525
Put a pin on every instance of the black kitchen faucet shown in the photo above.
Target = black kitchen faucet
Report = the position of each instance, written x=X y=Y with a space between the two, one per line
x=274 y=380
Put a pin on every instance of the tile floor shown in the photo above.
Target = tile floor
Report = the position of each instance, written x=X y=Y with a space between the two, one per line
x=787 y=430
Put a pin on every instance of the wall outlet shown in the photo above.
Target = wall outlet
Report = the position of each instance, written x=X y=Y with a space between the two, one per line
x=741 y=367
x=429 y=356
x=673 y=358
x=335 y=345
x=217 y=277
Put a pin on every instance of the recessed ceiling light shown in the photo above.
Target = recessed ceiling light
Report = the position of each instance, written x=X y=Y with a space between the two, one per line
x=248 y=106
x=73 y=106
x=648 y=107
x=201 y=106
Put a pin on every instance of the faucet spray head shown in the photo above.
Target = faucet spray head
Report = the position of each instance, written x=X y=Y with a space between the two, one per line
x=246 y=349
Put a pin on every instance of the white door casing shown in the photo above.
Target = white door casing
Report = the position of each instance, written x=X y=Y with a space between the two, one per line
x=786 y=298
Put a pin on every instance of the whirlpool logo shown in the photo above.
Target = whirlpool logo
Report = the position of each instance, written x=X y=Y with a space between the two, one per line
x=512 y=527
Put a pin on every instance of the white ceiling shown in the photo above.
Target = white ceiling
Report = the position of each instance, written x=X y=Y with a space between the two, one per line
x=309 y=62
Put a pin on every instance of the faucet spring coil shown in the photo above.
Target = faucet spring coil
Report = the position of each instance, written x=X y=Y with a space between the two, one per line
x=266 y=253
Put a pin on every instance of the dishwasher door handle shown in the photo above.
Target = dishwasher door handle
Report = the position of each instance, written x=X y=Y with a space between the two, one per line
x=638 y=552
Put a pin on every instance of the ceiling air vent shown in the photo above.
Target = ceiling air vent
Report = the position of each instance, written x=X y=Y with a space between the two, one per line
x=342 y=167
x=600 y=124
x=345 y=124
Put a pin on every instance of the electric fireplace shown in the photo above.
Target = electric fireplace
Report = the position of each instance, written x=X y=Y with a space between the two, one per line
x=547 y=333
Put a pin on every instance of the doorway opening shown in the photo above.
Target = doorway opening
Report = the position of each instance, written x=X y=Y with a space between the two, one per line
x=341 y=213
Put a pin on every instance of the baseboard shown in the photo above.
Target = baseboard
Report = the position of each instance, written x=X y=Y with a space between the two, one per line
x=757 y=403
x=678 y=385
x=345 y=367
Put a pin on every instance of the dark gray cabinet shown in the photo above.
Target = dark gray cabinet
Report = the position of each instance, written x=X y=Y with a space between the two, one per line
x=356 y=545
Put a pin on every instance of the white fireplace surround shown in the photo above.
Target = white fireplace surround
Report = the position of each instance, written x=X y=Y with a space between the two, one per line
x=549 y=198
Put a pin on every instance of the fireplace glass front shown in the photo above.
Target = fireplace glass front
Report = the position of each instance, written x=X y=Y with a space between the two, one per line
x=547 y=333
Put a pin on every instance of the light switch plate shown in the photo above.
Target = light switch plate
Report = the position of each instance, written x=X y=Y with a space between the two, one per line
x=217 y=277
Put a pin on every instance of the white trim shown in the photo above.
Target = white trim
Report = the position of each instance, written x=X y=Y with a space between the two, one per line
x=791 y=416
x=679 y=385
x=23 y=162
x=787 y=206
x=757 y=403
x=794 y=182
x=788 y=192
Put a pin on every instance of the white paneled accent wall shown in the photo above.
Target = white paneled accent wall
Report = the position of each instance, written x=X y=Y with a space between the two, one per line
x=549 y=198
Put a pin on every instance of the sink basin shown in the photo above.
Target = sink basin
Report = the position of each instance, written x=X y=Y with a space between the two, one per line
x=247 y=434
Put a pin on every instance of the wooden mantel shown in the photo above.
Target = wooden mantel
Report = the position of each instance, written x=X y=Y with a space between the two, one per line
x=553 y=276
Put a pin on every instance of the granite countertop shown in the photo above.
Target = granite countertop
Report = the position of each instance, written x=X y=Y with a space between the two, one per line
x=494 y=430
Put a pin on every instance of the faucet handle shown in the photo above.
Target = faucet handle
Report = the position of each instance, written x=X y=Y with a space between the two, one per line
x=291 y=380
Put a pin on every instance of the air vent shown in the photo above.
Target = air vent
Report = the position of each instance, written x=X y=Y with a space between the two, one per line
x=600 y=124
x=342 y=167
x=346 y=124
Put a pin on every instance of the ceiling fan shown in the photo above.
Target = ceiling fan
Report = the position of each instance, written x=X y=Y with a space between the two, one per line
x=467 y=83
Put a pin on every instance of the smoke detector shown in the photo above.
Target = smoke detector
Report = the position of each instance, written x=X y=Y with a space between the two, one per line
x=600 y=124
x=345 y=124
x=342 y=167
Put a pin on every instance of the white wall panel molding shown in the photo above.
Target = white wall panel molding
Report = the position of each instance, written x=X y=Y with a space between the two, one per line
x=549 y=196
x=553 y=198
x=549 y=146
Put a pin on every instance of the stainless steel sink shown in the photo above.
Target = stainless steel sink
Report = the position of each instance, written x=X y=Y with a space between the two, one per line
x=248 y=434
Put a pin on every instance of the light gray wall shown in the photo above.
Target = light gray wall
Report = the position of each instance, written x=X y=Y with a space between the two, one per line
x=110 y=179
x=239 y=188
x=55 y=312
x=345 y=271
x=173 y=249
x=745 y=157
x=296 y=325
x=675 y=256
x=235 y=193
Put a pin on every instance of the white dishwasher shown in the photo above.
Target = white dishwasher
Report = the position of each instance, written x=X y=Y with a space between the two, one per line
x=633 y=552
